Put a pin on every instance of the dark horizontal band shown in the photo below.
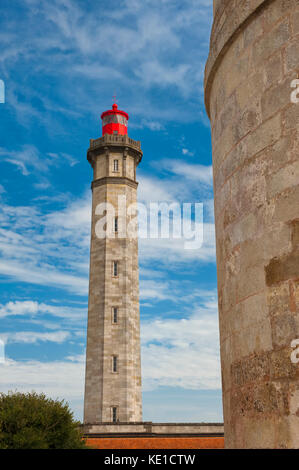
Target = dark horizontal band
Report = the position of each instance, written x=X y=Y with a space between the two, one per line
x=114 y=180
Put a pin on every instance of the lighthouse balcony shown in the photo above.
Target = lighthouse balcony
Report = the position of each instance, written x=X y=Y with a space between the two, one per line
x=115 y=139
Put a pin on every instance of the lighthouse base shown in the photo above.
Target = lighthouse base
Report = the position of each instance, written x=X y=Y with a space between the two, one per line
x=148 y=435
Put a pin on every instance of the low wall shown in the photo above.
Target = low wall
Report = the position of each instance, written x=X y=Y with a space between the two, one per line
x=149 y=435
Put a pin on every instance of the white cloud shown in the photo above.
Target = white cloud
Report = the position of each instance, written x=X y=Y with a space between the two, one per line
x=154 y=73
x=26 y=158
x=152 y=189
x=29 y=160
x=44 y=276
x=182 y=353
x=75 y=219
x=180 y=181
x=58 y=379
x=47 y=249
x=31 y=337
x=30 y=307
x=64 y=156
x=51 y=249
x=187 y=152
x=175 y=352
x=151 y=124
x=174 y=250
x=155 y=290
x=199 y=173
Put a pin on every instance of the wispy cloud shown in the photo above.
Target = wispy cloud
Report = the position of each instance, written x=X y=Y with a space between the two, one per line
x=182 y=352
x=47 y=249
x=197 y=172
x=44 y=277
x=173 y=250
x=34 y=308
x=58 y=379
x=144 y=46
x=156 y=290
x=28 y=159
x=52 y=248
x=31 y=337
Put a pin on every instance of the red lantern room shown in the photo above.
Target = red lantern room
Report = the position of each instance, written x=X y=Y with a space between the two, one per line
x=114 y=121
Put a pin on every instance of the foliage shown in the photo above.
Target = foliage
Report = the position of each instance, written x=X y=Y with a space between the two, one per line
x=33 y=421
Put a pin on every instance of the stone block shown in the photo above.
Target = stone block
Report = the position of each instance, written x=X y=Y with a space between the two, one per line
x=283 y=179
x=290 y=121
x=250 y=312
x=258 y=432
x=265 y=135
x=276 y=97
x=271 y=41
x=284 y=329
x=250 y=282
x=281 y=366
x=282 y=268
x=295 y=22
x=279 y=299
x=286 y=205
x=292 y=56
x=273 y=70
x=253 y=340
x=279 y=9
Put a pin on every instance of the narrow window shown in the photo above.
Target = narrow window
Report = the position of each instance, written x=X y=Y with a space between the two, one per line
x=114 y=363
x=114 y=414
x=115 y=268
x=115 y=166
x=115 y=224
x=114 y=314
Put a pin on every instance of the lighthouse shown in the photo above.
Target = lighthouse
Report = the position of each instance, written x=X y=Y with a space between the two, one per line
x=113 y=369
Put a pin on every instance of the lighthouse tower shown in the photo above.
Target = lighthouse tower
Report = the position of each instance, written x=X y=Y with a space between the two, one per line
x=113 y=371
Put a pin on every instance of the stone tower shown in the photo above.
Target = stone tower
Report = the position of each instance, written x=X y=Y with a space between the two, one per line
x=113 y=375
x=249 y=79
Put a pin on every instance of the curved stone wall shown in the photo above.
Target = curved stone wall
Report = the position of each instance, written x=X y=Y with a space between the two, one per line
x=253 y=62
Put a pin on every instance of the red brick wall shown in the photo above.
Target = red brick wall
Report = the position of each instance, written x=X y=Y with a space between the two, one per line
x=156 y=442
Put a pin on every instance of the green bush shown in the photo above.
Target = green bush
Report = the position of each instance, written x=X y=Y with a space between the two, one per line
x=32 y=421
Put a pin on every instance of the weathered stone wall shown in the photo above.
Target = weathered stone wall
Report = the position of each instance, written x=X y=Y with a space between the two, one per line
x=104 y=388
x=254 y=57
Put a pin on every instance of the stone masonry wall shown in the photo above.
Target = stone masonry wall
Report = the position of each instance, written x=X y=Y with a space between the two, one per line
x=104 y=388
x=254 y=57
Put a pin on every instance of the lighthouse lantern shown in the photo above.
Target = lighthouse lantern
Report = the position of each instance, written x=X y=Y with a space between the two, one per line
x=114 y=121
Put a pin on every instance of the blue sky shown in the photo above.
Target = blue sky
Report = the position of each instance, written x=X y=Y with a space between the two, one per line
x=62 y=61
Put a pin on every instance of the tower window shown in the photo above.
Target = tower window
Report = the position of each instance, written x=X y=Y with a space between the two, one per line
x=115 y=165
x=114 y=363
x=115 y=224
x=114 y=315
x=115 y=268
x=114 y=414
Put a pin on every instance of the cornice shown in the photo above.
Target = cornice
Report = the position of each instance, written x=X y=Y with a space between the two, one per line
x=114 y=180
